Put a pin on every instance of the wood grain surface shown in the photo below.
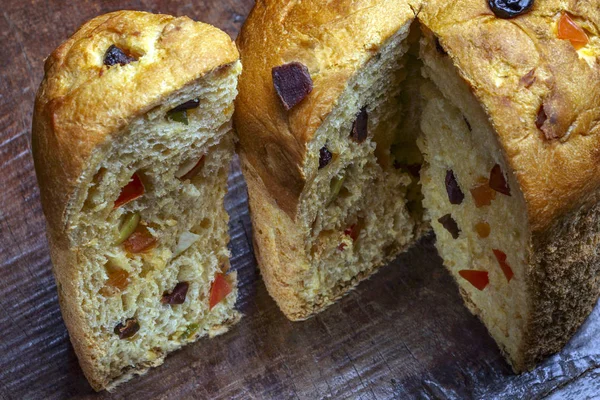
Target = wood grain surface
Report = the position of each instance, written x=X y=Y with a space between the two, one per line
x=402 y=334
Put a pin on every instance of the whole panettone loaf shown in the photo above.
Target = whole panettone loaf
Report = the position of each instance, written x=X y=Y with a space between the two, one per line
x=132 y=142
x=483 y=115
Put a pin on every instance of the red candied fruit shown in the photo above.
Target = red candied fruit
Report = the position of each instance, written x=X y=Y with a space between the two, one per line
x=501 y=257
x=479 y=279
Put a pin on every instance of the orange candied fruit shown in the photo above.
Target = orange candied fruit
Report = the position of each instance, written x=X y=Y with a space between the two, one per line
x=483 y=229
x=131 y=191
x=569 y=30
x=140 y=241
x=477 y=278
x=482 y=193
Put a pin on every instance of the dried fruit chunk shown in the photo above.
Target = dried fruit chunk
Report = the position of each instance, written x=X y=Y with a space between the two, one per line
x=455 y=195
x=118 y=280
x=353 y=231
x=189 y=170
x=178 y=116
x=501 y=257
x=219 y=290
x=483 y=229
x=292 y=83
x=359 y=126
x=510 y=8
x=569 y=30
x=188 y=105
x=482 y=193
x=189 y=331
x=479 y=279
x=131 y=191
x=128 y=226
x=179 y=113
x=450 y=224
x=140 y=241
x=325 y=157
x=498 y=181
x=128 y=329
x=115 y=55
x=177 y=296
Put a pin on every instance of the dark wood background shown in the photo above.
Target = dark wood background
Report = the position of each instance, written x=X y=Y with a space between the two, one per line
x=402 y=334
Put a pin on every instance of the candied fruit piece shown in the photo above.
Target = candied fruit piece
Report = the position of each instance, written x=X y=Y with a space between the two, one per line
x=128 y=329
x=510 y=8
x=482 y=229
x=335 y=186
x=128 y=226
x=219 y=290
x=501 y=257
x=141 y=240
x=569 y=30
x=482 y=193
x=114 y=55
x=325 y=157
x=292 y=83
x=450 y=224
x=455 y=195
x=479 y=279
x=498 y=181
x=353 y=231
x=177 y=295
x=359 y=126
x=131 y=191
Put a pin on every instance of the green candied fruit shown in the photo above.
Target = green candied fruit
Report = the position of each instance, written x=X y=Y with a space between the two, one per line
x=130 y=222
x=178 y=116
x=335 y=187
x=190 y=330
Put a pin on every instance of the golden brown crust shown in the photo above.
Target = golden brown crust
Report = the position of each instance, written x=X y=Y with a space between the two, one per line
x=333 y=41
x=82 y=106
x=557 y=166
x=513 y=67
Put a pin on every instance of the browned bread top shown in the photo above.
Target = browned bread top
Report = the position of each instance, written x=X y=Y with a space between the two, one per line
x=83 y=103
x=333 y=40
x=522 y=72
x=518 y=68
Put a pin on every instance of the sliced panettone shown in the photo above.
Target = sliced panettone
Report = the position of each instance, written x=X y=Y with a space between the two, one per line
x=317 y=119
x=132 y=142
x=503 y=98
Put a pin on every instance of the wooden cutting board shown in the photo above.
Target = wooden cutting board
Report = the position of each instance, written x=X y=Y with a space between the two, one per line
x=402 y=334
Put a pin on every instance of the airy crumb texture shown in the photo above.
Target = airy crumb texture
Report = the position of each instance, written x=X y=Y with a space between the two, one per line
x=508 y=159
x=139 y=244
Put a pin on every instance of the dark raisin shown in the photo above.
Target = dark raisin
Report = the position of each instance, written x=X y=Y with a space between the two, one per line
x=177 y=296
x=115 y=55
x=359 y=127
x=450 y=224
x=439 y=48
x=188 y=105
x=128 y=329
x=510 y=8
x=292 y=83
x=498 y=181
x=455 y=195
x=468 y=124
x=325 y=157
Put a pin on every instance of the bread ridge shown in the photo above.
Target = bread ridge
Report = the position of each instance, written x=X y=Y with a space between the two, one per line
x=274 y=140
x=78 y=115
